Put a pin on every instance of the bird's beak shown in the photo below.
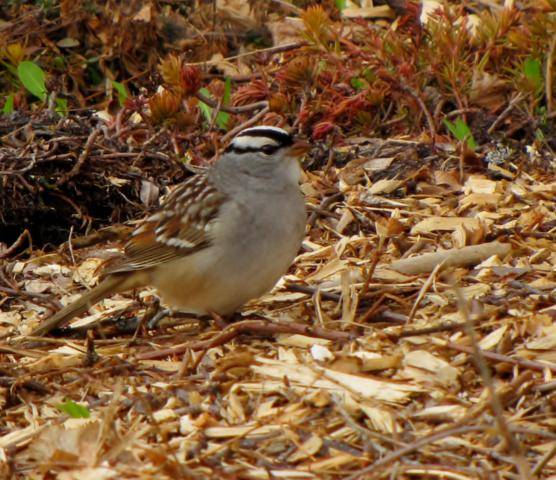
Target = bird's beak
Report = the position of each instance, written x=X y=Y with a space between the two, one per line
x=300 y=148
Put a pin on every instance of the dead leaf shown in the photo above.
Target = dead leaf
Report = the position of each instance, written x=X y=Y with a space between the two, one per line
x=77 y=445
x=149 y=193
x=433 y=224
x=286 y=30
x=437 y=370
x=307 y=449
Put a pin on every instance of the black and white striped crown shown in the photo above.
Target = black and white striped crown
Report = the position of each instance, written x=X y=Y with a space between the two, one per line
x=263 y=138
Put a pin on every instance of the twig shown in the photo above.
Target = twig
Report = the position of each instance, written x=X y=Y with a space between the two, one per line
x=17 y=244
x=458 y=257
x=324 y=204
x=215 y=111
x=424 y=290
x=397 y=454
x=496 y=406
x=82 y=158
x=13 y=383
x=22 y=170
x=374 y=311
x=544 y=460
x=277 y=49
x=114 y=232
x=323 y=212
x=463 y=151
x=70 y=249
x=41 y=298
x=430 y=121
x=296 y=287
x=80 y=215
x=365 y=433
x=392 y=316
x=498 y=357
x=288 y=6
x=382 y=242
x=505 y=113
x=546 y=387
x=92 y=356
x=416 y=332
x=462 y=111
x=8 y=349
x=229 y=108
x=249 y=326
x=254 y=119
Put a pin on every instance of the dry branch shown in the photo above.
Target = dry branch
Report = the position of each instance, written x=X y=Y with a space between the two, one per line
x=498 y=357
x=259 y=327
x=455 y=257
x=497 y=408
x=231 y=109
x=82 y=158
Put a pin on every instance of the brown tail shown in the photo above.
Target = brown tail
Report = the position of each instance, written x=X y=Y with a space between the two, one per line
x=112 y=284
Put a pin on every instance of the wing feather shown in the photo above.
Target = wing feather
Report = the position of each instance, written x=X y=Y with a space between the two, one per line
x=181 y=227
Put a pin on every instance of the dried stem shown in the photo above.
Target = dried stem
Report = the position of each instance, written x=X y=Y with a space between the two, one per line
x=14 y=247
x=324 y=204
x=382 y=242
x=430 y=121
x=544 y=460
x=22 y=170
x=505 y=113
x=271 y=50
x=424 y=291
x=248 y=123
x=372 y=471
x=231 y=109
x=496 y=405
x=249 y=326
x=81 y=160
x=458 y=257
x=498 y=357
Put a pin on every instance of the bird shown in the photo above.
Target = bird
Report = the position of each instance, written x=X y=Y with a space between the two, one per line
x=221 y=238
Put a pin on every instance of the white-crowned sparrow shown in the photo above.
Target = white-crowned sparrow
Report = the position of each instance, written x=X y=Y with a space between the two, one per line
x=221 y=238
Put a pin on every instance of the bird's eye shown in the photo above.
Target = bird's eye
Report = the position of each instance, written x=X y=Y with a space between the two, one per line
x=268 y=149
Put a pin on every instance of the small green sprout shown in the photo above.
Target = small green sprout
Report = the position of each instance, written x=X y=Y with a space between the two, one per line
x=73 y=409
x=33 y=79
x=122 y=92
x=222 y=118
x=461 y=131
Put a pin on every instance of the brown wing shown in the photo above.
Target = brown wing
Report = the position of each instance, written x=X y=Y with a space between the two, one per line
x=180 y=228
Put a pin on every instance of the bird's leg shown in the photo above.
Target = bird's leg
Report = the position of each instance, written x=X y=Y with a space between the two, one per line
x=158 y=316
x=170 y=312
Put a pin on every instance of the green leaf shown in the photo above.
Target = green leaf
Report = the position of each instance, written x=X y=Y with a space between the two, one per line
x=74 y=410
x=8 y=104
x=532 y=69
x=357 y=83
x=222 y=118
x=33 y=78
x=205 y=109
x=368 y=74
x=462 y=132
x=341 y=4
x=122 y=92
x=59 y=62
x=61 y=107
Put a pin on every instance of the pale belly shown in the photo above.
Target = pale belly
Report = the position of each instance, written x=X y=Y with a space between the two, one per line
x=225 y=276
